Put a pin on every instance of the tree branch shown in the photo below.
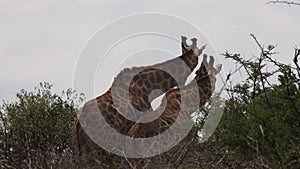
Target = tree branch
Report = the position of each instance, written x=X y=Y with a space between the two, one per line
x=296 y=55
x=283 y=2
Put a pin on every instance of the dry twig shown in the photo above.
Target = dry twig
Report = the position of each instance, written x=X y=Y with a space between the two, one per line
x=283 y=2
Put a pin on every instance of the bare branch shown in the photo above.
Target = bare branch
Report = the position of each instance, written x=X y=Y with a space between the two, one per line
x=296 y=55
x=263 y=55
x=283 y=2
x=259 y=45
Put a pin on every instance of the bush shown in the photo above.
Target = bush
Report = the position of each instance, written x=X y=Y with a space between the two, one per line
x=36 y=130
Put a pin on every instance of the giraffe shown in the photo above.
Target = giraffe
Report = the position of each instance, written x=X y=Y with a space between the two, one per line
x=170 y=108
x=152 y=74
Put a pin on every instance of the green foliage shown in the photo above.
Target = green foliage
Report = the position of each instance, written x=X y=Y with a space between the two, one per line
x=261 y=122
x=36 y=130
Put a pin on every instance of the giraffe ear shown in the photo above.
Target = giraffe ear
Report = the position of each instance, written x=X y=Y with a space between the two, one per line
x=218 y=68
x=201 y=49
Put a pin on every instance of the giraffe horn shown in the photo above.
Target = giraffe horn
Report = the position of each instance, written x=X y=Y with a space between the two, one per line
x=194 y=42
x=204 y=58
x=211 y=60
x=183 y=38
x=204 y=62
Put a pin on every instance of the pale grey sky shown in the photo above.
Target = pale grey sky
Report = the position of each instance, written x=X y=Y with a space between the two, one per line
x=40 y=40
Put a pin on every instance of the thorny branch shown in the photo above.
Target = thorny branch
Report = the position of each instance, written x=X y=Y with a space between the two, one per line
x=263 y=55
x=267 y=55
x=283 y=2
x=296 y=55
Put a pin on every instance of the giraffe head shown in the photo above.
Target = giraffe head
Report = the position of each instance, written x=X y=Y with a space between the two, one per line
x=190 y=53
x=206 y=74
x=185 y=47
x=208 y=69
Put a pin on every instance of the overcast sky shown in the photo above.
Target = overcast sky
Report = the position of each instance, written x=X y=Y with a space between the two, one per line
x=41 y=40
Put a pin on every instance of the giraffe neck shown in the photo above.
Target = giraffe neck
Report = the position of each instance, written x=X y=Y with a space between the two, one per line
x=200 y=88
x=190 y=59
